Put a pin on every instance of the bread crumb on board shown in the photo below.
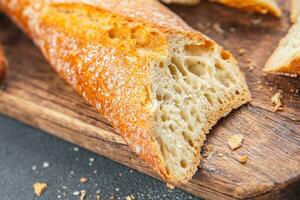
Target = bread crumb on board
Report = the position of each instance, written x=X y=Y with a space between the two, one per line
x=83 y=194
x=243 y=159
x=235 y=141
x=170 y=186
x=242 y=51
x=277 y=101
x=130 y=197
x=84 y=180
x=39 y=188
x=207 y=150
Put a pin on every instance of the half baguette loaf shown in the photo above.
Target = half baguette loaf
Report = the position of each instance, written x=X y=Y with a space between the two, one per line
x=295 y=10
x=286 y=58
x=161 y=84
x=260 y=6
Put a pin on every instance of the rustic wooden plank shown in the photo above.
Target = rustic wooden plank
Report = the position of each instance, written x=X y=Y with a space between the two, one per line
x=34 y=94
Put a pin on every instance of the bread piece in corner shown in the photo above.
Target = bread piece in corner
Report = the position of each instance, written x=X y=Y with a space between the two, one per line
x=162 y=84
x=295 y=10
x=259 y=6
x=184 y=2
x=286 y=58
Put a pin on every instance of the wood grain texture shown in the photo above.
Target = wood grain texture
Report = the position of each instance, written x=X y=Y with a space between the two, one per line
x=34 y=94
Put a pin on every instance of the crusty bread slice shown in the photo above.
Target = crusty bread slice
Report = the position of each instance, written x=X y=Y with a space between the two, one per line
x=286 y=58
x=260 y=6
x=161 y=84
x=185 y=2
x=295 y=10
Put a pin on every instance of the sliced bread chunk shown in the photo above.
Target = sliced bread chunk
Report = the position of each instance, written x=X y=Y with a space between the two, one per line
x=295 y=10
x=286 y=58
x=260 y=6
x=163 y=88
x=185 y=2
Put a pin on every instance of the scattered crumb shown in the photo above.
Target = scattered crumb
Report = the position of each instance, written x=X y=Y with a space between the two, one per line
x=64 y=187
x=39 y=188
x=84 y=180
x=95 y=171
x=242 y=51
x=92 y=159
x=131 y=171
x=277 y=101
x=72 y=172
x=97 y=196
x=207 y=150
x=171 y=187
x=120 y=174
x=46 y=165
x=76 y=193
x=112 y=197
x=131 y=197
x=217 y=27
x=220 y=154
x=75 y=149
x=33 y=168
x=243 y=159
x=83 y=194
x=235 y=141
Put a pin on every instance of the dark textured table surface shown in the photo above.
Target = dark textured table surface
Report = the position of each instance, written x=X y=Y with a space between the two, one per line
x=24 y=150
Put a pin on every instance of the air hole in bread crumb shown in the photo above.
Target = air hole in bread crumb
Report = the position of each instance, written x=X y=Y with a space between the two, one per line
x=237 y=92
x=218 y=66
x=187 y=138
x=191 y=128
x=167 y=170
x=197 y=68
x=161 y=65
x=173 y=70
x=183 y=163
x=184 y=116
x=159 y=97
x=208 y=98
x=178 y=89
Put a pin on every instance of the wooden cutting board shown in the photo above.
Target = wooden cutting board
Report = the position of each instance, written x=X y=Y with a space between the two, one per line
x=34 y=94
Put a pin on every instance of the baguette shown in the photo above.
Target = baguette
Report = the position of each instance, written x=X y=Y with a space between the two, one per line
x=260 y=6
x=286 y=58
x=185 y=2
x=161 y=84
x=295 y=10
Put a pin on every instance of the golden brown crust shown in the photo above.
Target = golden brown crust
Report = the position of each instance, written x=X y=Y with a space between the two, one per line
x=260 y=6
x=291 y=67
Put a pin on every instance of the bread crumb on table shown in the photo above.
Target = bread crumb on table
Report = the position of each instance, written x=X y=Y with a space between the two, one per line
x=84 y=180
x=130 y=197
x=242 y=51
x=207 y=150
x=235 y=141
x=83 y=194
x=39 y=188
x=243 y=159
x=277 y=101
